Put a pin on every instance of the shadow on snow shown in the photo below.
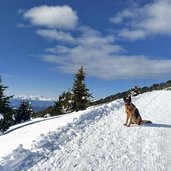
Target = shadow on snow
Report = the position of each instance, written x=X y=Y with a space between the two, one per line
x=30 y=123
x=157 y=125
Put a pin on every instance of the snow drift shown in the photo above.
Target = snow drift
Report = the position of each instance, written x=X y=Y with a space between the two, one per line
x=94 y=139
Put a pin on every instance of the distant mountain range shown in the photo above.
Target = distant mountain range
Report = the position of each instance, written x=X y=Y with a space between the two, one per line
x=38 y=103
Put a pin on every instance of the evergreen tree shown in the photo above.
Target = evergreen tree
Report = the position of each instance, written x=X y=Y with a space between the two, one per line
x=81 y=96
x=5 y=109
x=63 y=104
x=57 y=108
x=24 y=112
x=66 y=102
x=135 y=91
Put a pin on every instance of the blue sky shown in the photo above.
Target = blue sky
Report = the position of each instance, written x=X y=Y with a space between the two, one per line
x=120 y=44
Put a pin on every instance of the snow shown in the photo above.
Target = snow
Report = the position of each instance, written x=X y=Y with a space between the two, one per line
x=40 y=98
x=1 y=117
x=1 y=133
x=93 y=140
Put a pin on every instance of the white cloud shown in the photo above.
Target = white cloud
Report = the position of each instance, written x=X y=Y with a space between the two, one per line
x=100 y=54
x=120 y=17
x=101 y=65
x=132 y=34
x=102 y=58
x=91 y=37
x=53 y=34
x=52 y=16
x=140 y=22
x=158 y=18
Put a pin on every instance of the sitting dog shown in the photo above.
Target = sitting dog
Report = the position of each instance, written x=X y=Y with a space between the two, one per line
x=133 y=115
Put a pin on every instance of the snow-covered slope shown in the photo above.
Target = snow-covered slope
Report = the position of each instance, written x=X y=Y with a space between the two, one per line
x=94 y=140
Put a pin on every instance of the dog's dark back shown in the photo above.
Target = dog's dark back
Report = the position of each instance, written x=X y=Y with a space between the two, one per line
x=137 y=114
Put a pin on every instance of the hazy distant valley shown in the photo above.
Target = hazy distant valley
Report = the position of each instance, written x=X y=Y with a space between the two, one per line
x=37 y=102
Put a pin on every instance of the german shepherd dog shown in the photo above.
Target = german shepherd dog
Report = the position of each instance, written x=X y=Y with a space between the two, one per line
x=133 y=115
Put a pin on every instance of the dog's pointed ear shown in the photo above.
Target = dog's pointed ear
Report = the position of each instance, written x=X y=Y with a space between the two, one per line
x=129 y=98
x=124 y=98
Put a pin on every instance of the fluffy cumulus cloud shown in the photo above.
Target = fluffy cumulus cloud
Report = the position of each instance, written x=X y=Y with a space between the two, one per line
x=52 y=16
x=151 y=19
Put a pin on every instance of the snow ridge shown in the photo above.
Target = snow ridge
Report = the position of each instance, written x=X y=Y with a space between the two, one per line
x=54 y=140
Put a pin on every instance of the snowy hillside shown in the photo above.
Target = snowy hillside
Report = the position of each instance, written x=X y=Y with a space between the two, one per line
x=93 y=140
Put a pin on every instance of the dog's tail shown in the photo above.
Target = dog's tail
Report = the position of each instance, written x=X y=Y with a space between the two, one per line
x=146 y=122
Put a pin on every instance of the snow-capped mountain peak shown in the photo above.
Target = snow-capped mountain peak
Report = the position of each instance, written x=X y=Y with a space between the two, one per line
x=37 y=102
x=33 y=97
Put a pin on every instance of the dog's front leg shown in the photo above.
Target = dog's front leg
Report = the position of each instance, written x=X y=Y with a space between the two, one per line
x=130 y=121
x=127 y=117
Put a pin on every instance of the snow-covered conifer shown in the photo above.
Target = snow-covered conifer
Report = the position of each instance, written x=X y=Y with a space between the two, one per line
x=81 y=96
x=5 y=109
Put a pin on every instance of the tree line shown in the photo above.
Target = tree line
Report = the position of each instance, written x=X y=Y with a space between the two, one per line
x=78 y=98
x=75 y=99
x=134 y=92
x=10 y=116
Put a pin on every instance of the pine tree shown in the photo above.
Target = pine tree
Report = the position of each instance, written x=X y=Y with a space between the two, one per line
x=63 y=104
x=135 y=91
x=5 y=109
x=66 y=102
x=81 y=96
x=24 y=112
x=57 y=108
